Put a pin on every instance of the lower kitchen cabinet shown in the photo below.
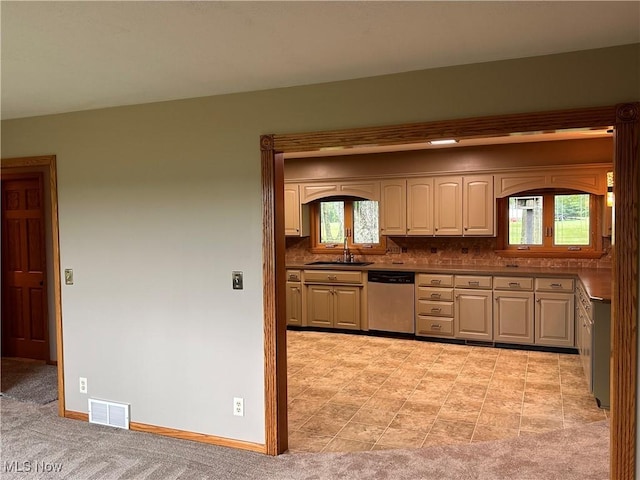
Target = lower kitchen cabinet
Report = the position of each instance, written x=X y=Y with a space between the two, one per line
x=294 y=303
x=554 y=319
x=513 y=317
x=333 y=306
x=473 y=314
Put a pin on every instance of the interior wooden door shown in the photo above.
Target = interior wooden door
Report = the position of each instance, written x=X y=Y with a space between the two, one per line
x=24 y=297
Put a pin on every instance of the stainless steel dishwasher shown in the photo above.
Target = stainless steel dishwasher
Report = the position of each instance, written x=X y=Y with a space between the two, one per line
x=390 y=303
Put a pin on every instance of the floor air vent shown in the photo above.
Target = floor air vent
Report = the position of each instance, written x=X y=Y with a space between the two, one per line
x=109 y=413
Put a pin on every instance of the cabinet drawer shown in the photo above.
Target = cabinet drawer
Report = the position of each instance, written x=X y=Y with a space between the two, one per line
x=473 y=281
x=513 y=283
x=434 y=280
x=426 y=325
x=438 y=309
x=293 y=275
x=554 y=284
x=332 y=276
x=433 y=293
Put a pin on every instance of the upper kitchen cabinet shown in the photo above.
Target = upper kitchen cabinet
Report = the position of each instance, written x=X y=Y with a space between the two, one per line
x=393 y=207
x=464 y=205
x=448 y=206
x=419 y=209
x=296 y=215
x=478 y=207
x=443 y=206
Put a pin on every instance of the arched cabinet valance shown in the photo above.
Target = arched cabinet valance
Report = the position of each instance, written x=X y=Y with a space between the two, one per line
x=585 y=179
x=369 y=190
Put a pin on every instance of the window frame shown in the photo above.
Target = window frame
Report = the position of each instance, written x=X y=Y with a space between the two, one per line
x=315 y=246
x=548 y=248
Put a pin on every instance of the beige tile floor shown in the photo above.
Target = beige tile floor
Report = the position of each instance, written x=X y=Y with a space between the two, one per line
x=354 y=392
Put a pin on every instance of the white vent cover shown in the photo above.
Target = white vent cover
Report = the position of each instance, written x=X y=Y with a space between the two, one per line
x=109 y=413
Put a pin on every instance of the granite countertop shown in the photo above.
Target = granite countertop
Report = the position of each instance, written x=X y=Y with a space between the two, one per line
x=597 y=281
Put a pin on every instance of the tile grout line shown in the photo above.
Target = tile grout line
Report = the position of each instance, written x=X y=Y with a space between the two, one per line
x=407 y=399
x=403 y=403
x=475 y=427
x=524 y=389
x=445 y=399
x=361 y=406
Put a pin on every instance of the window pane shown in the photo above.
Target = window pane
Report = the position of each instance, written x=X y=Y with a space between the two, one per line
x=571 y=219
x=331 y=222
x=525 y=220
x=365 y=222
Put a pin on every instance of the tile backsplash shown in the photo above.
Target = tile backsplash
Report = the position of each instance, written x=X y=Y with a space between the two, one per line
x=446 y=251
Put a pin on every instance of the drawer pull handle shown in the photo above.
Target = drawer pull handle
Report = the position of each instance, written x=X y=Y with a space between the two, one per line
x=436 y=281
x=435 y=326
x=332 y=277
x=514 y=284
x=435 y=295
x=474 y=283
x=294 y=278
x=556 y=285
x=436 y=309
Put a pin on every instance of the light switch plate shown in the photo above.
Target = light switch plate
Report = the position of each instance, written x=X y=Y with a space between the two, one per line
x=236 y=279
x=68 y=276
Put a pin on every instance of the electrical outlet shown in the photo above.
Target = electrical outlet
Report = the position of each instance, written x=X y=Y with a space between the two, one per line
x=83 y=385
x=238 y=406
x=394 y=249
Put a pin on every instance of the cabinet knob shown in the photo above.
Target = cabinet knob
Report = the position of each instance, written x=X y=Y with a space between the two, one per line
x=466 y=228
x=537 y=300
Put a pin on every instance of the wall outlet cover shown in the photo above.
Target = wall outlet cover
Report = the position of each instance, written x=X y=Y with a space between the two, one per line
x=238 y=407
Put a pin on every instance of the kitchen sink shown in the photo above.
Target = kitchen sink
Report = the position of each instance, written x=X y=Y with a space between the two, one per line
x=355 y=264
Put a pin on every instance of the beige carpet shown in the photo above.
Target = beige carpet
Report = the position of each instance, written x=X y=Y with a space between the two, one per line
x=34 y=433
x=29 y=380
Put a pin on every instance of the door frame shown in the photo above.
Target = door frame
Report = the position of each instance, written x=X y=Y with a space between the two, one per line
x=23 y=164
x=625 y=118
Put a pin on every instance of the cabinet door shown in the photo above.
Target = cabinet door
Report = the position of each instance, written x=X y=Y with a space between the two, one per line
x=478 y=209
x=554 y=324
x=320 y=305
x=294 y=304
x=291 y=210
x=420 y=206
x=448 y=206
x=513 y=317
x=296 y=216
x=393 y=207
x=346 y=302
x=473 y=314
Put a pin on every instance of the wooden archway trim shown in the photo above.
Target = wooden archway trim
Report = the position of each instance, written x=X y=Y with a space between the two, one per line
x=626 y=120
x=49 y=161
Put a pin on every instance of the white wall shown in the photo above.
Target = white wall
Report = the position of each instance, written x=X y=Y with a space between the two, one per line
x=159 y=203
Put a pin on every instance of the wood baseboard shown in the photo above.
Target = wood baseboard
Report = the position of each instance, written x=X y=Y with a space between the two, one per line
x=181 y=434
x=76 y=415
x=52 y=362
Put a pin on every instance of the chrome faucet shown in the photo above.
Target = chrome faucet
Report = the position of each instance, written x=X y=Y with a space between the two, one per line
x=346 y=256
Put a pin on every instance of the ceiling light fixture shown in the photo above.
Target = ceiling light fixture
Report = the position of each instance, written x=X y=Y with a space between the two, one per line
x=446 y=141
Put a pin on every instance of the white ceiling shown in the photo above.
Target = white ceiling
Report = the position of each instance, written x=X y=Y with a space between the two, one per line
x=69 y=56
